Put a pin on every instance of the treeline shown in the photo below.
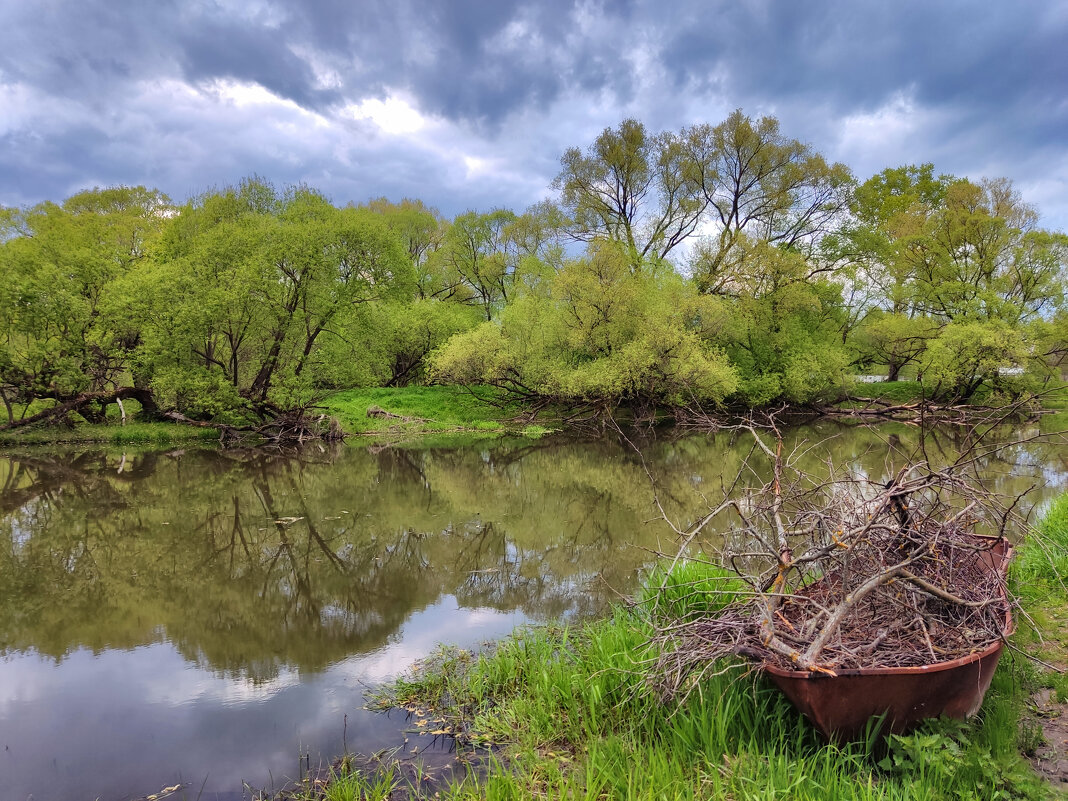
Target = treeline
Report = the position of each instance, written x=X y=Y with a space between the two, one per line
x=714 y=265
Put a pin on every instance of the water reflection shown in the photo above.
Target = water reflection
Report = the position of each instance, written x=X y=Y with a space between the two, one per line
x=195 y=612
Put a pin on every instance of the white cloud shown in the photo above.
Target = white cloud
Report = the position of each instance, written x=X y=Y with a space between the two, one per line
x=393 y=115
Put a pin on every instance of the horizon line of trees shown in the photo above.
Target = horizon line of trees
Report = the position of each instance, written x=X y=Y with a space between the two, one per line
x=717 y=264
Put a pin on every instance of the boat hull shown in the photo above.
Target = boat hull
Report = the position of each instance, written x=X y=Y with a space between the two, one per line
x=840 y=706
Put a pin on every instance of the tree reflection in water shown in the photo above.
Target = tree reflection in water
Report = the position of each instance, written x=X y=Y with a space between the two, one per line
x=252 y=562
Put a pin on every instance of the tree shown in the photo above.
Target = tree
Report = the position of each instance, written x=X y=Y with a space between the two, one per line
x=966 y=355
x=981 y=256
x=485 y=257
x=895 y=340
x=600 y=334
x=633 y=188
x=945 y=250
x=785 y=346
x=421 y=230
x=249 y=283
x=65 y=332
x=759 y=185
x=387 y=344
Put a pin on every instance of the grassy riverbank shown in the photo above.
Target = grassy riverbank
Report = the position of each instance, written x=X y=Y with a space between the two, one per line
x=385 y=413
x=401 y=413
x=110 y=433
x=568 y=711
x=411 y=411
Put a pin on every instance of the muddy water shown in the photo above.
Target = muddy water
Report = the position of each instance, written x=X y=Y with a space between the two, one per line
x=206 y=618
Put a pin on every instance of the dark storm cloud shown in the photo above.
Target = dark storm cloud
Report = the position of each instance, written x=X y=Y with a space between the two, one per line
x=230 y=49
x=855 y=55
x=111 y=90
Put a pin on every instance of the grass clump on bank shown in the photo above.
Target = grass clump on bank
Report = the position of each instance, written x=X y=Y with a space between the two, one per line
x=428 y=410
x=111 y=433
x=1039 y=579
x=895 y=391
x=571 y=711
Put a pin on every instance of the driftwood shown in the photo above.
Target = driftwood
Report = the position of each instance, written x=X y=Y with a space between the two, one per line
x=838 y=572
x=926 y=411
x=289 y=428
x=377 y=411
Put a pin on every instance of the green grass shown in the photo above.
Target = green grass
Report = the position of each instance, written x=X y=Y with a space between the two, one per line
x=575 y=718
x=1039 y=578
x=895 y=391
x=112 y=433
x=345 y=783
x=1057 y=400
x=429 y=410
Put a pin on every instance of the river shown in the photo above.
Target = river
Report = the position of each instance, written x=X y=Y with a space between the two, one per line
x=207 y=618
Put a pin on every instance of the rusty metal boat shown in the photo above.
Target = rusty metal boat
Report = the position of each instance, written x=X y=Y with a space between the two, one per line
x=841 y=705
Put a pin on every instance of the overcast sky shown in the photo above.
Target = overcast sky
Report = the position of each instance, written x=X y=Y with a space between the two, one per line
x=470 y=104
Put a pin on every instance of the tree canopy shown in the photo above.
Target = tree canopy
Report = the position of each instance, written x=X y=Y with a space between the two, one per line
x=719 y=264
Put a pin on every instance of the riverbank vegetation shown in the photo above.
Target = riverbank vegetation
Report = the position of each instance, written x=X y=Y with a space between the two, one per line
x=718 y=267
x=567 y=711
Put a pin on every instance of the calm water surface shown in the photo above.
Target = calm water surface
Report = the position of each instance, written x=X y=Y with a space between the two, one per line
x=205 y=617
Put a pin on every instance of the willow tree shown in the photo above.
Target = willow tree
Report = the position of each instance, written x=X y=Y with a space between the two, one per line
x=759 y=186
x=249 y=282
x=632 y=187
x=731 y=185
x=952 y=257
x=66 y=331
x=598 y=332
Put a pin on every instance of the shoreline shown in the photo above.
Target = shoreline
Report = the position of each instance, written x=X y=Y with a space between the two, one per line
x=388 y=416
x=560 y=707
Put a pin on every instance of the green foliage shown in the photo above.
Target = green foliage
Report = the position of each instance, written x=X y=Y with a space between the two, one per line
x=947 y=757
x=785 y=345
x=387 y=344
x=598 y=332
x=959 y=279
x=64 y=323
x=249 y=284
x=759 y=185
x=965 y=355
x=692 y=588
x=421 y=230
x=570 y=709
x=1043 y=555
x=632 y=188
x=894 y=341
x=249 y=300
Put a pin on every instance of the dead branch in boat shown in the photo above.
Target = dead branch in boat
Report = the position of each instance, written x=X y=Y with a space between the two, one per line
x=842 y=571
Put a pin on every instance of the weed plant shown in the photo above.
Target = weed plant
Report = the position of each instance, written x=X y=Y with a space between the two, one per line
x=570 y=711
x=571 y=707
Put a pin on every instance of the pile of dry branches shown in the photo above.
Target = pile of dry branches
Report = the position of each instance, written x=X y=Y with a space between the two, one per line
x=843 y=572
